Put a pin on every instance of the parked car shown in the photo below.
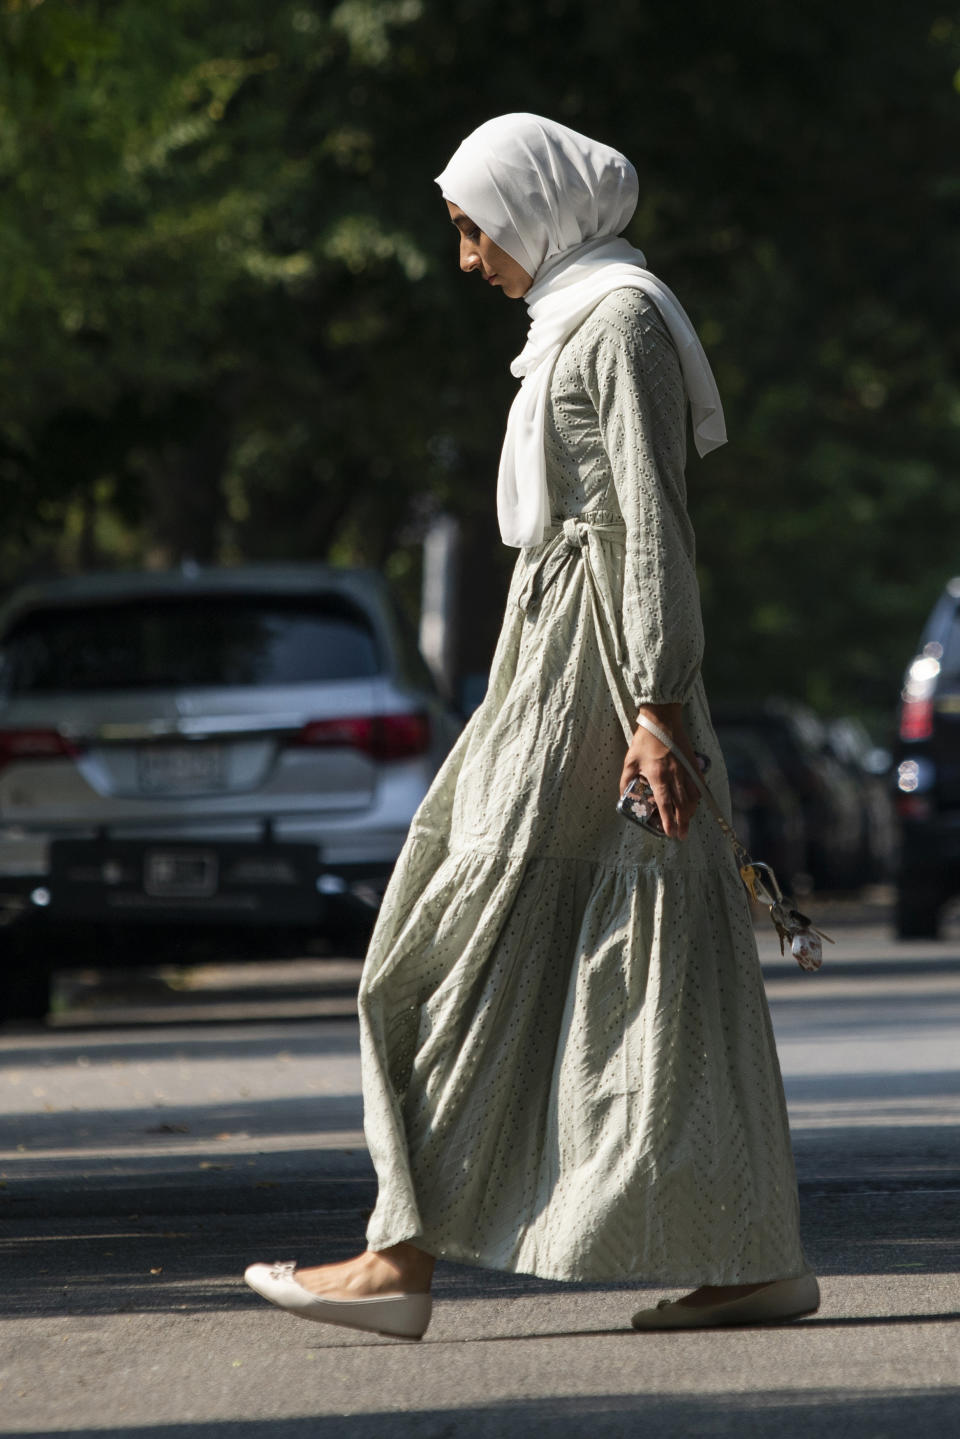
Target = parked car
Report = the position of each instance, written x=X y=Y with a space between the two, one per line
x=767 y=815
x=234 y=750
x=827 y=795
x=868 y=767
x=927 y=773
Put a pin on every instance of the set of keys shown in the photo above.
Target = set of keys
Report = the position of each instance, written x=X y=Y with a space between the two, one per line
x=805 y=939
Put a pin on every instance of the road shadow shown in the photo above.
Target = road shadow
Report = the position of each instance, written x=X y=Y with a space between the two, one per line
x=24 y=1049
x=788 y=1414
x=87 y=1132
x=84 y=1233
x=192 y=1263
x=209 y=992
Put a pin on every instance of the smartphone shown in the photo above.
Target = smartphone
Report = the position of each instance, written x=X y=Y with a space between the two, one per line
x=638 y=805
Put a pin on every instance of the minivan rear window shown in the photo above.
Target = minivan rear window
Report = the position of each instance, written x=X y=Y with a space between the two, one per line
x=195 y=641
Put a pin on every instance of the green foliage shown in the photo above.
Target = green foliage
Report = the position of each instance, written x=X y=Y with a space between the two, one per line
x=231 y=323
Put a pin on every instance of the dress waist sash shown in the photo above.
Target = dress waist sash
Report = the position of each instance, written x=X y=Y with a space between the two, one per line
x=588 y=541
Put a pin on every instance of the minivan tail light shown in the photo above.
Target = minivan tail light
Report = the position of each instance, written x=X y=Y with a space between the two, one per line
x=394 y=736
x=916 y=719
x=32 y=744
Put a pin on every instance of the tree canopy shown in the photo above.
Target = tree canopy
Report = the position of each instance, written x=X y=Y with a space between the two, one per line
x=232 y=325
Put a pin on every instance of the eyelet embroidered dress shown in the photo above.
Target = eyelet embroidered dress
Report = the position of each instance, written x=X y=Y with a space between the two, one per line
x=568 y=1065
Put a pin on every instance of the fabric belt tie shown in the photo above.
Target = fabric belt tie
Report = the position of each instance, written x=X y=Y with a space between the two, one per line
x=588 y=540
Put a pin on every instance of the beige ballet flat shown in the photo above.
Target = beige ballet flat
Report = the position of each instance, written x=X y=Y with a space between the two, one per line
x=396 y=1316
x=781 y=1300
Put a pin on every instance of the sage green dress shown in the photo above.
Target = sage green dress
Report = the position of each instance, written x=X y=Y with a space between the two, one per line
x=568 y=1065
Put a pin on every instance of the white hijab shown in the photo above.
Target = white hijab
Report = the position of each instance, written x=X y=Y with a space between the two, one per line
x=556 y=201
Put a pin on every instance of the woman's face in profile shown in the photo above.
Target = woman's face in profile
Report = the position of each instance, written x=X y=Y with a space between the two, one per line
x=478 y=252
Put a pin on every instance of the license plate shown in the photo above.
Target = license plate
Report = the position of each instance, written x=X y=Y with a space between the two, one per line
x=180 y=769
x=180 y=872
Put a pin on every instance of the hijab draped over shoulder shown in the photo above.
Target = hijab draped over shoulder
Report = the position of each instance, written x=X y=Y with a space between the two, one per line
x=557 y=203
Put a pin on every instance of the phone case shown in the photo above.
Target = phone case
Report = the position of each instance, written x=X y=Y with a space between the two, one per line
x=638 y=805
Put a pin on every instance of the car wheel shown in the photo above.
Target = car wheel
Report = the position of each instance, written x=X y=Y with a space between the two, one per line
x=917 y=913
x=24 y=989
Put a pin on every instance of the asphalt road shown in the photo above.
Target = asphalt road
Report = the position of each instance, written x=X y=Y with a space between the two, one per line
x=165 y=1130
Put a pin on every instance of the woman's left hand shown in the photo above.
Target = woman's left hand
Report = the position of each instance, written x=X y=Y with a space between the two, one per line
x=674 y=792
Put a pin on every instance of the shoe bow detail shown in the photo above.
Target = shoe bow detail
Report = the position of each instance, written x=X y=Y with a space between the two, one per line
x=284 y=1270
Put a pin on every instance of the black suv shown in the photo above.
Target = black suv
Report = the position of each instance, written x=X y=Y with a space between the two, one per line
x=927 y=773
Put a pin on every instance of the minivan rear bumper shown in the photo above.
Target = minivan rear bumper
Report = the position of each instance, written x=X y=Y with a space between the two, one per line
x=205 y=882
x=157 y=880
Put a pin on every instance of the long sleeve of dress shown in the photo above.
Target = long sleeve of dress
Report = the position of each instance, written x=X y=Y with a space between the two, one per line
x=633 y=374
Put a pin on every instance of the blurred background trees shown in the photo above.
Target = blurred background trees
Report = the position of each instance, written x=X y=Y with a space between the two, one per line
x=232 y=326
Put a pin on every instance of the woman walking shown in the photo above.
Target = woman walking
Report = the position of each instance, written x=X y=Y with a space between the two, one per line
x=568 y=1065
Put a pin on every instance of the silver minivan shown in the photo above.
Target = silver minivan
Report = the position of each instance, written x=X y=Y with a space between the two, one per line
x=207 y=749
